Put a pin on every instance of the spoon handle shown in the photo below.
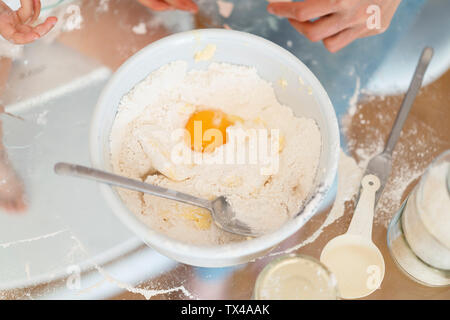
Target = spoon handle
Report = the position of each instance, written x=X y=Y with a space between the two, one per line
x=362 y=220
x=74 y=170
x=408 y=100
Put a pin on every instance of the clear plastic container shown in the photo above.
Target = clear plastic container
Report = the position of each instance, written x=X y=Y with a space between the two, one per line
x=419 y=234
x=295 y=277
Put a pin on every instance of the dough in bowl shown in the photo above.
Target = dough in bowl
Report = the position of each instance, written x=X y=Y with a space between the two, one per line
x=265 y=162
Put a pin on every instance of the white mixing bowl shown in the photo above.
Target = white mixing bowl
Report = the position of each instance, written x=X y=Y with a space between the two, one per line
x=273 y=63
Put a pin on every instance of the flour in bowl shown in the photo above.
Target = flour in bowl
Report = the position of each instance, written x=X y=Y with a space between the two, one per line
x=266 y=181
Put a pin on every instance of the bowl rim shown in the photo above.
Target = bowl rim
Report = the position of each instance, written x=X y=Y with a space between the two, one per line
x=234 y=250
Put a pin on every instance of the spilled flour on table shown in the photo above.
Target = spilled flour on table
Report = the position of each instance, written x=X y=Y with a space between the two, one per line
x=367 y=126
x=353 y=102
x=140 y=28
x=396 y=185
x=103 y=6
x=147 y=293
x=45 y=236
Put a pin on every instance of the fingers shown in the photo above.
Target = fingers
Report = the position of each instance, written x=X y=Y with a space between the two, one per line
x=23 y=34
x=303 y=11
x=26 y=10
x=186 y=5
x=341 y=39
x=321 y=28
x=15 y=206
x=24 y=38
x=46 y=26
x=29 y=10
x=7 y=31
x=23 y=28
x=163 y=5
x=332 y=39
x=157 y=5
x=304 y=28
x=3 y=6
x=336 y=22
x=37 y=10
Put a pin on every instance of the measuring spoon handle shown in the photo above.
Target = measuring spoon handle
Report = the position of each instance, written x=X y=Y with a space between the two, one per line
x=362 y=220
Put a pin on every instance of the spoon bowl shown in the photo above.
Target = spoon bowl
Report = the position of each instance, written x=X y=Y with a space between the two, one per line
x=224 y=216
x=357 y=264
x=352 y=257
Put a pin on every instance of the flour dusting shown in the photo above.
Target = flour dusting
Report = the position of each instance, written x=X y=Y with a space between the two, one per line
x=142 y=146
x=140 y=28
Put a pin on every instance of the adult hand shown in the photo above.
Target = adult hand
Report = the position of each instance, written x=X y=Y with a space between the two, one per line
x=15 y=26
x=163 y=5
x=337 y=22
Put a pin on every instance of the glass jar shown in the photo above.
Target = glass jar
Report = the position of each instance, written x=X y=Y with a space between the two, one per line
x=419 y=234
x=295 y=277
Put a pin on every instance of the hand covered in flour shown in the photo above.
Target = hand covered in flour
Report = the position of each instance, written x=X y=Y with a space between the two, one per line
x=16 y=26
x=337 y=22
x=163 y=5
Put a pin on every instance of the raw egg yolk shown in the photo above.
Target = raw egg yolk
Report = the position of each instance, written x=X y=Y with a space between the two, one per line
x=208 y=130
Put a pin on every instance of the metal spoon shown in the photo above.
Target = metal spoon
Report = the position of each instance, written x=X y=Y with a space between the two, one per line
x=381 y=164
x=353 y=257
x=221 y=211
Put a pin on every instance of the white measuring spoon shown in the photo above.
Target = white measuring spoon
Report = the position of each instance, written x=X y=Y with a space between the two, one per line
x=352 y=257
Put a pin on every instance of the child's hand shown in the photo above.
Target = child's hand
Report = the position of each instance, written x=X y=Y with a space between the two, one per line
x=15 y=25
x=339 y=22
x=163 y=5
